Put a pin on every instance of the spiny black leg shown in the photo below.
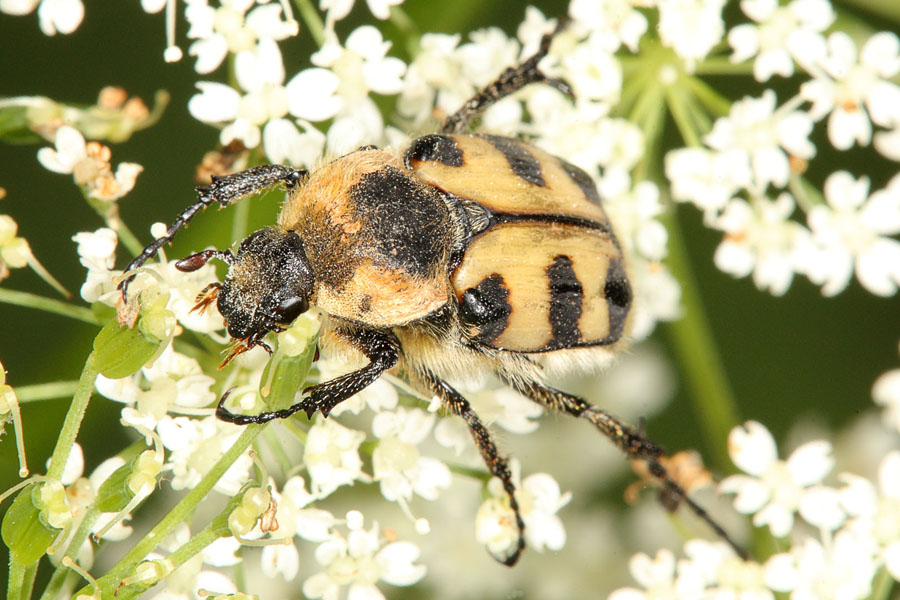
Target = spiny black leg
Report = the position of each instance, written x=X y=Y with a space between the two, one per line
x=510 y=81
x=222 y=190
x=381 y=347
x=496 y=463
x=629 y=439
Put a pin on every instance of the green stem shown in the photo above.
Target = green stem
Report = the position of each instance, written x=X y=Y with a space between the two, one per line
x=179 y=513
x=15 y=585
x=721 y=65
x=197 y=543
x=72 y=424
x=678 y=106
x=806 y=195
x=28 y=580
x=44 y=274
x=479 y=474
x=889 y=9
x=45 y=391
x=715 y=102
x=239 y=221
x=128 y=239
x=882 y=585
x=51 y=305
x=280 y=455
x=652 y=123
x=313 y=21
x=59 y=575
x=58 y=579
x=694 y=346
x=408 y=28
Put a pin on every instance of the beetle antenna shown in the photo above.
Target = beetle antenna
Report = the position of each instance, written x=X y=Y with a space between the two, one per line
x=195 y=261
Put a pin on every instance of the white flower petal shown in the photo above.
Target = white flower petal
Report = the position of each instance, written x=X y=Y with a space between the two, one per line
x=395 y=561
x=811 y=462
x=312 y=94
x=63 y=16
x=210 y=53
x=889 y=475
x=216 y=102
x=752 y=448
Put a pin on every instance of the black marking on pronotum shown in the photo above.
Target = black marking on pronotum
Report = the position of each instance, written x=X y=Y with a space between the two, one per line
x=582 y=180
x=404 y=218
x=434 y=148
x=566 y=299
x=486 y=306
x=618 y=297
x=521 y=161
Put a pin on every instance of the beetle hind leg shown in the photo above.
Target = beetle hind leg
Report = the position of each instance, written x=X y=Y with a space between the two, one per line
x=629 y=440
x=496 y=462
x=510 y=81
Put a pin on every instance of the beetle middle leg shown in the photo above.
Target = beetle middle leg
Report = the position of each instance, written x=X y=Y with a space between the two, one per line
x=380 y=347
x=510 y=81
x=628 y=439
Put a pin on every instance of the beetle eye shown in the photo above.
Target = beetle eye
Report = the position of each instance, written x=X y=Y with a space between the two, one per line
x=290 y=309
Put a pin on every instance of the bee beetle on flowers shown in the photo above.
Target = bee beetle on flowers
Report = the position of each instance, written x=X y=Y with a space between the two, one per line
x=462 y=254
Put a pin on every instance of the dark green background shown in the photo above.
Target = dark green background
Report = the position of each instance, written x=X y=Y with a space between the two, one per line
x=788 y=358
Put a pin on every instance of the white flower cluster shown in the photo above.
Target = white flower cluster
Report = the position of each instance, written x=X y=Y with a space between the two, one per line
x=54 y=16
x=747 y=177
x=88 y=163
x=169 y=398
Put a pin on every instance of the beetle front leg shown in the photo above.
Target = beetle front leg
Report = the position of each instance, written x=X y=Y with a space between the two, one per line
x=382 y=348
x=223 y=191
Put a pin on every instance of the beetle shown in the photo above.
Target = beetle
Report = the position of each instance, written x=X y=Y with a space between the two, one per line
x=464 y=253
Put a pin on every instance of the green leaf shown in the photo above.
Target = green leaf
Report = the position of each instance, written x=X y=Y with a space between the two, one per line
x=23 y=532
x=285 y=375
x=120 y=351
x=14 y=126
x=114 y=493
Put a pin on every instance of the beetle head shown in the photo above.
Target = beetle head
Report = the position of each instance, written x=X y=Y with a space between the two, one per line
x=268 y=285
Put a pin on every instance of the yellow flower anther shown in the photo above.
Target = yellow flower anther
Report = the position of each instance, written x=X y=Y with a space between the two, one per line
x=147 y=467
x=96 y=595
x=149 y=572
x=255 y=502
x=157 y=321
x=9 y=409
x=53 y=504
x=295 y=339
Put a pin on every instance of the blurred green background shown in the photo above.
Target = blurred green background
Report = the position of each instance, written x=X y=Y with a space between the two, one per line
x=792 y=358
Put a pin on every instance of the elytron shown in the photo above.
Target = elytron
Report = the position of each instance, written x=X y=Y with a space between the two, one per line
x=461 y=254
